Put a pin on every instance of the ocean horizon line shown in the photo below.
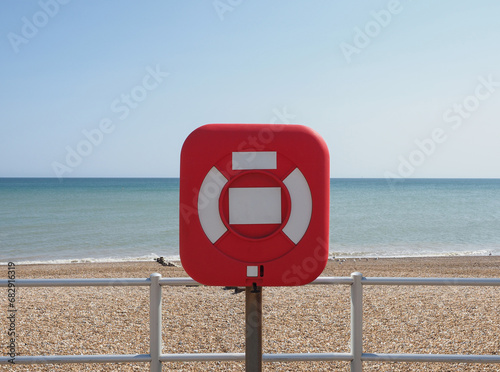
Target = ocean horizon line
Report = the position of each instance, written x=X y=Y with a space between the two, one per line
x=171 y=177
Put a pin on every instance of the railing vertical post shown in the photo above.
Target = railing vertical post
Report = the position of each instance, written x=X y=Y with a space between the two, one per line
x=155 y=322
x=356 y=322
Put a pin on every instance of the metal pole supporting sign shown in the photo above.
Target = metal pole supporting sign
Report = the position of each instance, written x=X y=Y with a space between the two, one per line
x=253 y=329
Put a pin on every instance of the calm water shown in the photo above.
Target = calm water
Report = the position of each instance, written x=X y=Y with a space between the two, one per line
x=43 y=220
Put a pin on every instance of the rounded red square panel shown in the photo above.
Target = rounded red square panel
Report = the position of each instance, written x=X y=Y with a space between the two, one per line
x=254 y=205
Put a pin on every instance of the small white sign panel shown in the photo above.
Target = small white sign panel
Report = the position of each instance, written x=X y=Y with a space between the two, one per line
x=254 y=160
x=252 y=271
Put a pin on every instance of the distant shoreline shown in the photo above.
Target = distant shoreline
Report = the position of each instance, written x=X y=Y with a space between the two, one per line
x=176 y=259
x=403 y=266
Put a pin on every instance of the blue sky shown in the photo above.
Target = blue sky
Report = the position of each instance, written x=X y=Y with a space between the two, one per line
x=112 y=88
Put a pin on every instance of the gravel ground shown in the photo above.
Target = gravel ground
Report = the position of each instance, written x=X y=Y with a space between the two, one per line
x=397 y=319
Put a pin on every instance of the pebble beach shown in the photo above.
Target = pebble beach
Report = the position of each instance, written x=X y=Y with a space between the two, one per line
x=312 y=318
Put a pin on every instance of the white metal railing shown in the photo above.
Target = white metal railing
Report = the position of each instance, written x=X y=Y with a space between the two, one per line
x=356 y=357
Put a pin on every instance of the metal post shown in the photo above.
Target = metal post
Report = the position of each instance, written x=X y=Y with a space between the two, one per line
x=356 y=322
x=155 y=322
x=253 y=325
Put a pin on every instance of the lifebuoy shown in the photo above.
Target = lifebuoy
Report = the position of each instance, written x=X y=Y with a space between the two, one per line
x=259 y=203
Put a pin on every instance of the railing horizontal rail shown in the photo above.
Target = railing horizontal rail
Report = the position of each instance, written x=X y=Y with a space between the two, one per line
x=309 y=357
x=436 y=358
x=291 y=357
x=324 y=280
x=203 y=357
x=102 y=282
x=329 y=280
x=63 y=359
x=179 y=282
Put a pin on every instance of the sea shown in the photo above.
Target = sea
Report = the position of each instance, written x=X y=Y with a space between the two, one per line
x=48 y=220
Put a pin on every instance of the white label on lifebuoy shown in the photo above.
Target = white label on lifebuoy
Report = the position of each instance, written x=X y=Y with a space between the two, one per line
x=254 y=160
x=254 y=205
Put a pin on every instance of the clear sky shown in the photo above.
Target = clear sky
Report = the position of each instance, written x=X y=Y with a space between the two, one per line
x=112 y=88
